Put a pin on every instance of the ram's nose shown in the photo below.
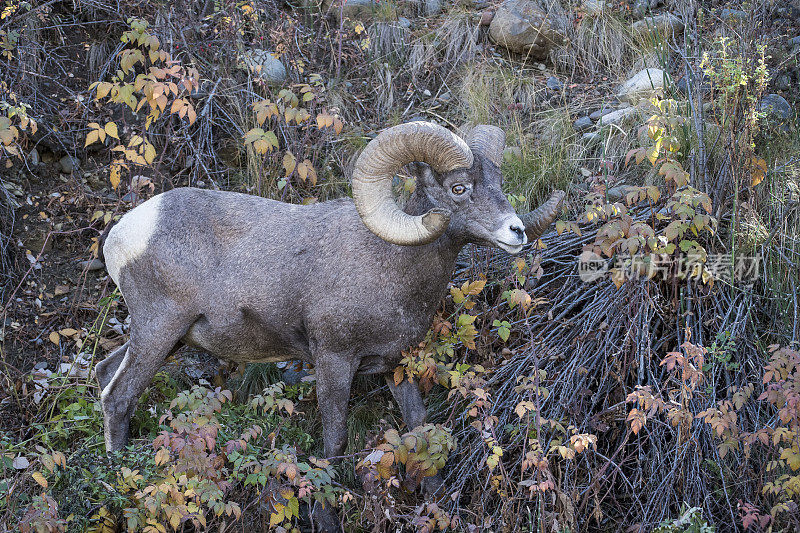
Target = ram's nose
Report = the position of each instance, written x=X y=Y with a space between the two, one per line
x=519 y=230
x=511 y=235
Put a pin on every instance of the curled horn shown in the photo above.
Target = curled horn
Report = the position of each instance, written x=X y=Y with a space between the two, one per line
x=383 y=157
x=489 y=141
x=537 y=221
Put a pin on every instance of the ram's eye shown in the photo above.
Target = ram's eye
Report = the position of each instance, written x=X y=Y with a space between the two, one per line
x=458 y=189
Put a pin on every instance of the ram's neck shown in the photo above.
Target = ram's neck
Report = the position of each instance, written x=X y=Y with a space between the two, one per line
x=435 y=261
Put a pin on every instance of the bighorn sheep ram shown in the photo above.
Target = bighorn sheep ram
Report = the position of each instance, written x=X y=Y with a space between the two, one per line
x=344 y=285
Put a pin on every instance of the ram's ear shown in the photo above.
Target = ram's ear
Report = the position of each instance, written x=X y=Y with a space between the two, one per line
x=424 y=175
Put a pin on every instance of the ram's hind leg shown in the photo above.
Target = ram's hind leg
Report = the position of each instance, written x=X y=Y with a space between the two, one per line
x=152 y=338
x=104 y=370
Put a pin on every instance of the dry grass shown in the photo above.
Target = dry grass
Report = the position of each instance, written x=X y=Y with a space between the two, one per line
x=598 y=45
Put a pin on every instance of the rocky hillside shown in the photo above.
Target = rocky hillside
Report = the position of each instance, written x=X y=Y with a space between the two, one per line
x=636 y=368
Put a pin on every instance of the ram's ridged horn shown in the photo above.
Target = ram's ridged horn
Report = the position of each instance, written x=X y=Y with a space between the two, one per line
x=537 y=221
x=489 y=141
x=383 y=157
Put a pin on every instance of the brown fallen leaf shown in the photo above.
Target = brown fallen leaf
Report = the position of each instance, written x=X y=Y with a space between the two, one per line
x=61 y=289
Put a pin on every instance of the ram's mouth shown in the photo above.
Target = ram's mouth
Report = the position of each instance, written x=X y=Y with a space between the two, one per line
x=510 y=248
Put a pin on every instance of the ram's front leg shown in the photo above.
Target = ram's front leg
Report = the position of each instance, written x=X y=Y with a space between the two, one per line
x=408 y=397
x=334 y=373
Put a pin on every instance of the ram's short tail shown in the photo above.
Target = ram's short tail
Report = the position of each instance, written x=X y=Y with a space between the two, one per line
x=101 y=240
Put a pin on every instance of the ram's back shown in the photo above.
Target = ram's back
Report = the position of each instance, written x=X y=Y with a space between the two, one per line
x=237 y=262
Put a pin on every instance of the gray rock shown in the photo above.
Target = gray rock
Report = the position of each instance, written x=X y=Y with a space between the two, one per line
x=33 y=157
x=404 y=22
x=293 y=374
x=92 y=264
x=618 y=192
x=642 y=7
x=731 y=15
x=776 y=107
x=617 y=117
x=665 y=24
x=431 y=7
x=600 y=112
x=263 y=64
x=69 y=164
x=521 y=27
x=554 y=84
x=643 y=85
x=583 y=124
x=783 y=82
x=794 y=41
x=590 y=136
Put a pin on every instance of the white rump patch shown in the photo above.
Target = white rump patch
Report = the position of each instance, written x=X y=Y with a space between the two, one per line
x=128 y=239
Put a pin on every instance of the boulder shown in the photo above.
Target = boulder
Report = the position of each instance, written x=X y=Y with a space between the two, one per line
x=431 y=7
x=69 y=164
x=263 y=64
x=645 y=84
x=776 y=107
x=554 y=84
x=617 y=117
x=733 y=15
x=595 y=115
x=91 y=265
x=519 y=26
x=583 y=124
x=665 y=24
x=642 y=7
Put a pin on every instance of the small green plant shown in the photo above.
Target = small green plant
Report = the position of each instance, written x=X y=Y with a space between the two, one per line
x=14 y=121
x=690 y=521
x=422 y=452
x=430 y=361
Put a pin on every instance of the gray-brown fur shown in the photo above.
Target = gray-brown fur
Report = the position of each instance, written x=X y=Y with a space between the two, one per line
x=250 y=279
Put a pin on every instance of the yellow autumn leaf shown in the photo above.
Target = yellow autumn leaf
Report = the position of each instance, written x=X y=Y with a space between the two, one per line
x=39 y=478
x=55 y=338
x=60 y=459
x=289 y=163
x=111 y=130
x=92 y=137
x=114 y=175
x=103 y=88
x=149 y=153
